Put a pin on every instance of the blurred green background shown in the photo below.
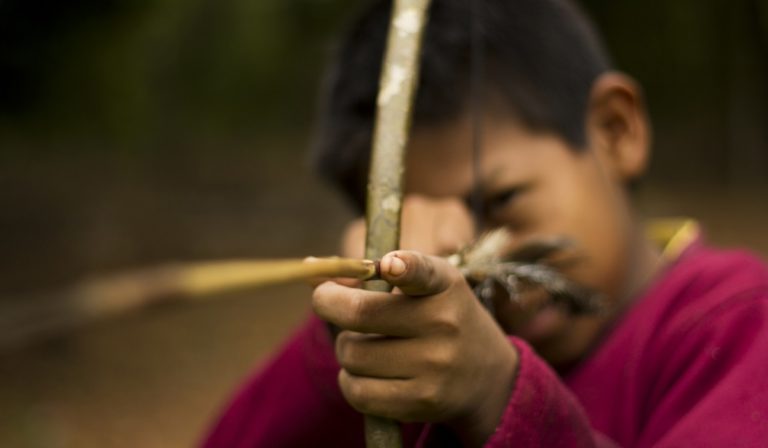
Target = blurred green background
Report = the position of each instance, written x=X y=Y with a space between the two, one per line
x=138 y=131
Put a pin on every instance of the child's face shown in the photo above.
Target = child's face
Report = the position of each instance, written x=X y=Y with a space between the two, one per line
x=536 y=186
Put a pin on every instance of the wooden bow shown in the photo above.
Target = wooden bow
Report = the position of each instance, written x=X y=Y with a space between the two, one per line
x=399 y=78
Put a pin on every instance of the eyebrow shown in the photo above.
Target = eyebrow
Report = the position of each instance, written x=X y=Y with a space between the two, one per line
x=488 y=181
x=496 y=173
x=481 y=187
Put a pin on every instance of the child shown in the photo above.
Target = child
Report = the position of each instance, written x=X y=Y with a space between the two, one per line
x=678 y=356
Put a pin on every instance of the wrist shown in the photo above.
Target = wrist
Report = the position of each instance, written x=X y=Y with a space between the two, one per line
x=482 y=420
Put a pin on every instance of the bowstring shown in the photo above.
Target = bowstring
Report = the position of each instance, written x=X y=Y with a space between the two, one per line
x=477 y=112
x=476 y=76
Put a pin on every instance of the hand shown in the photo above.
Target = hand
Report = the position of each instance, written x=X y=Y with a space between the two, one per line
x=428 y=352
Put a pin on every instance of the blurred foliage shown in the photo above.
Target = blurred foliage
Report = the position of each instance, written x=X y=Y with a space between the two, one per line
x=704 y=68
x=140 y=74
x=139 y=70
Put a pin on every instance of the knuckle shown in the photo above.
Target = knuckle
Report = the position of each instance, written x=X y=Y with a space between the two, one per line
x=352 y=389
x=320 y=296
x=441 y=358
x=440 y=275
x=320 y=291
x=343 y=348
x=348 y=351
x=362 y=402
x=446 y=322
x=428 y=267
x=356 y=392
x=454 y=277
x=429 y=402
x=358 y=311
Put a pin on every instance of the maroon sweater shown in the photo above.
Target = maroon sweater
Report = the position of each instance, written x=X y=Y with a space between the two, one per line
x=686 y=365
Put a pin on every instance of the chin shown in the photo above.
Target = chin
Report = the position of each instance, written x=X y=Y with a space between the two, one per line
x=568 y=343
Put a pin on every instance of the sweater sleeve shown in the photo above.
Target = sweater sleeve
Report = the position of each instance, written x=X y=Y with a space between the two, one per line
x=294 y=401
x=542 y=411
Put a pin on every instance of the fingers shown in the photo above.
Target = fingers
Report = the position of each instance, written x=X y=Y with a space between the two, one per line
x=402 y=400
x=377 y=356
x=393 y=358
x=365 y=311
x=417 y=275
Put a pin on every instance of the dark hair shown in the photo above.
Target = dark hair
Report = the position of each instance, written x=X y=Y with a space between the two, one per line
x=540 y=60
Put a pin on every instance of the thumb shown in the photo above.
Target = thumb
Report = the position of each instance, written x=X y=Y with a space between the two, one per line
x=417 y=274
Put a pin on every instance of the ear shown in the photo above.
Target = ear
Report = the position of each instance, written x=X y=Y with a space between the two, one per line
x=618 y=127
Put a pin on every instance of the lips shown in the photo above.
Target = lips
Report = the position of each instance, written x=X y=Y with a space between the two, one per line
x=543 y=323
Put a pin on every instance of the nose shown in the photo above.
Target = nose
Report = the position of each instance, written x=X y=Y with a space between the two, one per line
x=431 y=226
x=436 y=226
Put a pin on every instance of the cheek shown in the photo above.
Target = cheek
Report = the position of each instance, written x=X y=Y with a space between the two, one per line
x=603 y=232
x=551 y=207
x=580 y=206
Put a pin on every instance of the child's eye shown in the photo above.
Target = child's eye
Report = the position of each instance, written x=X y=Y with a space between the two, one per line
x=497 y=208
x=502 y=199
x=501 y=208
